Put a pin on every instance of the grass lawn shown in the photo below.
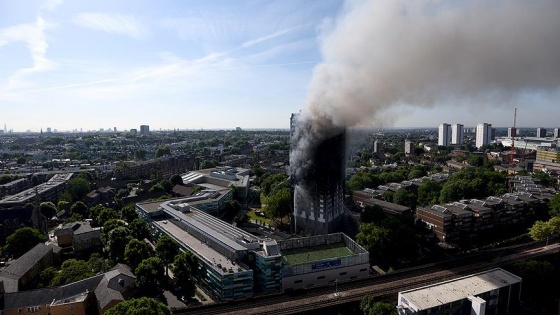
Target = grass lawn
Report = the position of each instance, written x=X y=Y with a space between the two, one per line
x=307 y=254
x=253 y=216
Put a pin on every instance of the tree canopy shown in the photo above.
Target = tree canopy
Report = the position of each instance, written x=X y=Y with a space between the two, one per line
x=72 y=270
x=150 y=276
x=370 y=306
x=22 y=240
x=78 y=187
x=166 y=250
x=136 y=251
x=184 y=266
x=140 y=306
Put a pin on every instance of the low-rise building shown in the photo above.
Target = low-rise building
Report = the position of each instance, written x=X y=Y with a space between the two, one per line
x=494 y=291
x=80 y=235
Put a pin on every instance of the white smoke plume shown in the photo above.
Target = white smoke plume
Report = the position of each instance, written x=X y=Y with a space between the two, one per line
x=382 y=53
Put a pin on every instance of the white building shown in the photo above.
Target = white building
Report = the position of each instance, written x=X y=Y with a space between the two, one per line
x=512 y=132
x=408 y=147
x=541 y=132
x=444 y=135
x=556 y=132
x=494 y=291
x=483 y=134
x=457 y=134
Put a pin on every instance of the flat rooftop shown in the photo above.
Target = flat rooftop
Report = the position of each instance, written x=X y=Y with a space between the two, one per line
x=301 y=255
x=202 y=249
x=454 y=290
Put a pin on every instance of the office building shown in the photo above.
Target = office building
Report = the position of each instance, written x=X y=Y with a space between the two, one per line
x=457 y=133
x=483 y=134
x=494 y=291
x=444 y=135
x=235 y=264
x=144 y=129
x=541 y=132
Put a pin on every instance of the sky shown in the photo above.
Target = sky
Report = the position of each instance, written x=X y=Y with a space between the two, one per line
x=194 y=64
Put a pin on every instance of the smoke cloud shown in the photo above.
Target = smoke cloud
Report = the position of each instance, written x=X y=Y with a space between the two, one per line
x=382 y=53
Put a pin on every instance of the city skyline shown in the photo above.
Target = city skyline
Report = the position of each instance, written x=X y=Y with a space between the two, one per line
x=219 y=65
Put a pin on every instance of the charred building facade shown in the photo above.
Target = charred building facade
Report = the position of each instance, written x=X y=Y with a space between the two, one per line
x=319 y=190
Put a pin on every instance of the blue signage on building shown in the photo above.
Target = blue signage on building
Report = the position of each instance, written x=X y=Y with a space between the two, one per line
x=326 y=264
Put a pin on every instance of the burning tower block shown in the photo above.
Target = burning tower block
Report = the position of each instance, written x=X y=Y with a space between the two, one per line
x=319 y=190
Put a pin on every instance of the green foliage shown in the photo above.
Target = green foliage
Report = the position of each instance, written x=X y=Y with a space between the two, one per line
x=136 y=251
x=35 y=180
x=78 y=188
x=22 y=240
x=231 y=208
x=185 y=265
x=141 y=306
x=405 y=198
x=139 y=229
x=370 y=306
x=163 y=150
x=72 y=270
x=428 y=192
x=128 y=213
x=150 y=276
x=105 y=215
x=48 y=209
x=166 y=250
x=372 y=214
x=388 y=240
x=46 y=276
x=98 y=264
x=80 y=208
x=555 y=205
x=540 y=230
x=176 y=180
x=164 y=185
x=273 y=182
x=279 y=203
x=362 y=180
x=208 y=164
x=117 y=240
x=540 y=279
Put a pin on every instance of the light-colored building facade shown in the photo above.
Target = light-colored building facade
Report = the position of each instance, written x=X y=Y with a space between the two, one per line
x=457 y=134
x=409 y=147
x=144 y=129
x=444 y=135
x=541 y=132
x=483 y=134
x=556 y=133
x=491 y=292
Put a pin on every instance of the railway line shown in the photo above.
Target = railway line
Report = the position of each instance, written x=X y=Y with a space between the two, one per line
x=380 y=285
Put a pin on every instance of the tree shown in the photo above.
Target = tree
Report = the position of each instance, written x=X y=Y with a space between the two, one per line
x=118 y=238
x=108 y=227
x=140 y=306
x=166 y=250
x=279 y=204
x=78 y=188
x=370 y=306
x=35 y=180
x=136 y=251
x=184 y=266
x=139 y=229
x=105 y=215
x=48 y=209
x=163 y=150
x=372 y=214
x=208 y=164
x=22 y=240
x=128 y=213
x=98 y=264
x=540 y=230
x=46 y=276
x=72 y=270
x=231 y=208
x=428 y=192
x=176 y=180
x=555 y=205
x=405 y=198
x=80 y=208
x=149 y=276
x=95 y=211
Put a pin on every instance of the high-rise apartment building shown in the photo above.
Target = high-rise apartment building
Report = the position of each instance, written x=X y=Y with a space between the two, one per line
x=541 y=132
x=144 y=129
x=512 y=132
x=378 y=148
x=483 y=134
x=556 y=132
x=408 y=147
x=444 y=135
x=457 y=133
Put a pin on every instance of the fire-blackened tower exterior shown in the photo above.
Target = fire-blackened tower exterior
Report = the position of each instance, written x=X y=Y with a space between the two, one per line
x=319 y=192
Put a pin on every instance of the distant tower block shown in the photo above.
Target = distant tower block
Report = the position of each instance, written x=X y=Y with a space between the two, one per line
x=457 y=134
x=541 y=132
x=444 y=135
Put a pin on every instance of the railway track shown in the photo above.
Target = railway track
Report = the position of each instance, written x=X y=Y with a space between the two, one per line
x=380 y=285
